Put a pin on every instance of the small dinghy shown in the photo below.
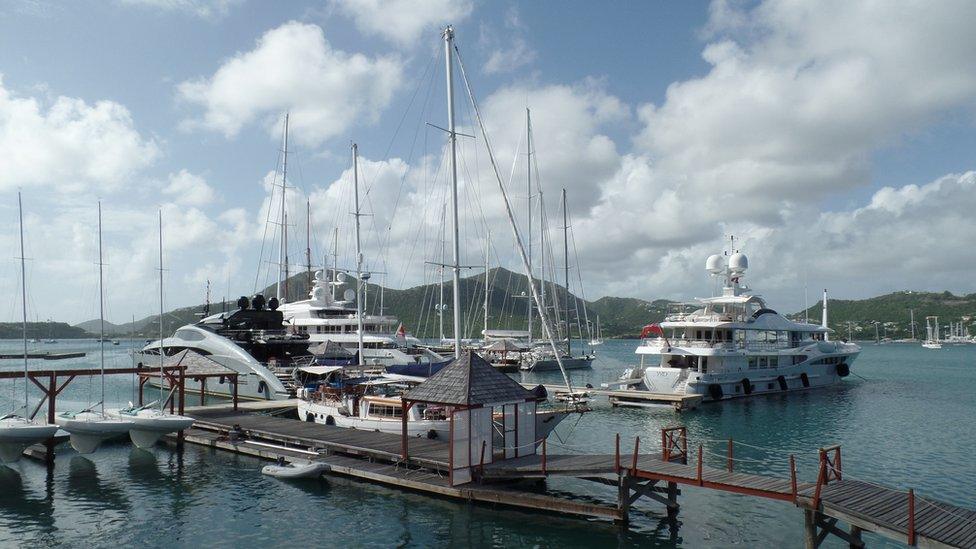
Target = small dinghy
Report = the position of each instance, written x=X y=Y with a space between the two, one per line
x=304 y=469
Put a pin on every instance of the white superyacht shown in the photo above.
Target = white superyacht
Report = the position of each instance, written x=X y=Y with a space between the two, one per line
x=732 y=345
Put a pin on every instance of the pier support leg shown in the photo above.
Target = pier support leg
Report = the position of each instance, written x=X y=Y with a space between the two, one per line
x=856 y=542
x=809 y=529
x=673 y=506
x=623 y=499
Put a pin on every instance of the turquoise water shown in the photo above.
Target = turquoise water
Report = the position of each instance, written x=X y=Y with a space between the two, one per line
x=908 y=423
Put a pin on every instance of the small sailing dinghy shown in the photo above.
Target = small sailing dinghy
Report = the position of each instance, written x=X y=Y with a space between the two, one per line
x=16 y=432
x=295 y=469
x=149 y=424
x=90 y=427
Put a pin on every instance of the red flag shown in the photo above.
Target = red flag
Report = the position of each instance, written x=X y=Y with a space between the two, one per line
x=651 y=329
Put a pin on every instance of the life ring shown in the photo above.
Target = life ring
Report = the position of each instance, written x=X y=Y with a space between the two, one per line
x=262 y=386
x=805 y=379
x=329 y=420
x=746 y=386
x=715 y=391
x=782 y=383
x=843 y=370
x=432 y=434
x=310 y=418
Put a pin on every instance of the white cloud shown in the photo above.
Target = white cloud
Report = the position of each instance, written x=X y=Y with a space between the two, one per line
x=403 y=21
x=189 y=189
x=205 y=9
x=293 y=68
x=507 y=59
x=68 y=144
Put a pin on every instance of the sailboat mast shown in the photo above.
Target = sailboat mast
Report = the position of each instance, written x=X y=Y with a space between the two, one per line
x=101 y=309
x=335 y=261
x=440 y=305
x=449 y=62
x=308 y=241
x=359 y=254
x=23 y=294
x=542 y=250
x=911 y=323
x=569 y=334
x=487 y=288
x=528 y=171
x=162 y=399
x=282 y=285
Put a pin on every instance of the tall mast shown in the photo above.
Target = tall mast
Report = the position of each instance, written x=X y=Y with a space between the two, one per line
x=359 y=253
x=449 y=62
x=308 y=241
x=569 y=334
x=487 y=288
x=101 y=310
x=542 y=249
x=335 y=261
x=23 y=294
x=162 y=399
x=911 y=323
x=823 y=318
x=440 y=305
x=528 y=171
x=282 y=285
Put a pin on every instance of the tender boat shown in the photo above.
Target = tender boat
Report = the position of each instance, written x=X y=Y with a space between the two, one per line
x=295 y=469
x=733 y=345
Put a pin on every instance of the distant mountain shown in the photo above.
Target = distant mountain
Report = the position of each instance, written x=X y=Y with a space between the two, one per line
x=892 y=311
x=42 y=330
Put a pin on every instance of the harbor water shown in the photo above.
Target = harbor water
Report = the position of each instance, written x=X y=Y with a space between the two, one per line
x=905 y=419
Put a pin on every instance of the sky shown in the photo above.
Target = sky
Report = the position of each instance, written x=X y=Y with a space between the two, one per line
x=833 y=139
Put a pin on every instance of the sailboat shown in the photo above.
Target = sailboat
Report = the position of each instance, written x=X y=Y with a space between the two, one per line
x=932 y=335
x=150 y=423
x=19 y=432
x=89 y=427
x=598 y=340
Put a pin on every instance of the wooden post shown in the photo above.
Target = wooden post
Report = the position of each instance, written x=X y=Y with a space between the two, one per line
x=142 y=385
x=700 y=481
x=730 y=456
x=911 y=517
x=52 y=393
x=483 y=443
x=633 y=466
x=404 y=436
x=183 y=394
x=237 y=379
x=544 y=457
x=855 y=541
x=203 y=390
x=793 y=477
x=623 y=499
x=672 y=500
x=809 y=529
x=820 y=478
x=616 y=454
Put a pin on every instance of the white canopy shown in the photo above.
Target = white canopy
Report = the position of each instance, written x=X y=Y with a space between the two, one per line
x=319 y=370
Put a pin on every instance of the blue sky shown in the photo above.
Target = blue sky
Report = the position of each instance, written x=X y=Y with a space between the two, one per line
x=834 y=139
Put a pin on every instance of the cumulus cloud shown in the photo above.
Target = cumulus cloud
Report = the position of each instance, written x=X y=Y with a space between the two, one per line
x=205 y=9
x=189 y=189
x=68 y=143
x=294 y=68
x=403 y=21
x=509 y=50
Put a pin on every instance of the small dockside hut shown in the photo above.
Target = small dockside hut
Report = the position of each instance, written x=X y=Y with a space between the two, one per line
x=474 y=395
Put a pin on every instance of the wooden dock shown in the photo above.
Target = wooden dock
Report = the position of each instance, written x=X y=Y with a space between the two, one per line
x=376 y=457
x=629 y=397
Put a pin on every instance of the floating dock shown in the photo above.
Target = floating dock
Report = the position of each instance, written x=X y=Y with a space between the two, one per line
x=43 y=355
x=629 y=397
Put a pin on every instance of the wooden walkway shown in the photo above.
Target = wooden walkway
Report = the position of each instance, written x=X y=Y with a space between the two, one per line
x=371 y=444
x=886 y=511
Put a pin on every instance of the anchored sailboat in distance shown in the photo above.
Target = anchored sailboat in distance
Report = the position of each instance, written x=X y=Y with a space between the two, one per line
x=149 y=423
x=18 y=432
x=89 y=427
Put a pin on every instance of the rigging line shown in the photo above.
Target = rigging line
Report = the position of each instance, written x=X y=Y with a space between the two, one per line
x=579 y=275
x=267 y=220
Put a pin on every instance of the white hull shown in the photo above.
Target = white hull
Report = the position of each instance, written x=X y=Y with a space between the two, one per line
x=296 y=470
x=932 y=345
x=149 y=425
x=17 y=433
x=89 y=429
x=329 y=415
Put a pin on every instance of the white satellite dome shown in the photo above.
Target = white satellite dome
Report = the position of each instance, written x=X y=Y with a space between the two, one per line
x=341 y=277
x=318 y=293
x=715 y=264
x=320 y=276
x=739 y=262
x=349 y=294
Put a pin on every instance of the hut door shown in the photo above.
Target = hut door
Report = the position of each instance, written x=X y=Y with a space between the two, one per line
x=509 y=419
x=482 y=432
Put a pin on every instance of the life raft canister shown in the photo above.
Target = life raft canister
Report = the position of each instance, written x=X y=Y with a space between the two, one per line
x=746 y=386
x=843 y=370
x=715 y=391
x=782 y=383
x=805 y=379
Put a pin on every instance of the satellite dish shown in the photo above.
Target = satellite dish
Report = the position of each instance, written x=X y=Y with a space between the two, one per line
x=341 y=277
x=738 y=262
x=715 y=264
x=319 y=276
x=349 y=294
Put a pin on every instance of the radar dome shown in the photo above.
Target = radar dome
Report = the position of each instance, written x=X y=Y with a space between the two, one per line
x=319 y=275
x=341 y=277
x=349 y=294
x=715 y=264
x=318 y=293
x=739 y=262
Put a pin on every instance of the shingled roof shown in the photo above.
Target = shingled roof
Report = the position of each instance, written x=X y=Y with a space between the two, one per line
x=469 y=381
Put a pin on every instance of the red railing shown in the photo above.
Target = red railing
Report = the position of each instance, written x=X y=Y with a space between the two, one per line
x=830 y=469
x=674 y=444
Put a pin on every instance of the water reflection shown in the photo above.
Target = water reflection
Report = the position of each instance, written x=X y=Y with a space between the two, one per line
x=85 y=486
x=22 y=507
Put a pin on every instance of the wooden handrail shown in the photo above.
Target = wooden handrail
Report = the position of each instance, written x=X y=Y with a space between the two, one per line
x=633 y=466
x=793 y=476
x=700 y=481
x=820 y=479
x=616 y=454
x=730 y=456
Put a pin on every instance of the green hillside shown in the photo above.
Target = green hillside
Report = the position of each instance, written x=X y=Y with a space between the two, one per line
x=42 y=330
x=892 y=311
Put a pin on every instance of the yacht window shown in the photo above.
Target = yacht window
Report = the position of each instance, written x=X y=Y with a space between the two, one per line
x=752 y=362
x=189 y=335
x=762 y=362
x=385 y=410
x=698 y=334
x=708 y=335
x=774 y=362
